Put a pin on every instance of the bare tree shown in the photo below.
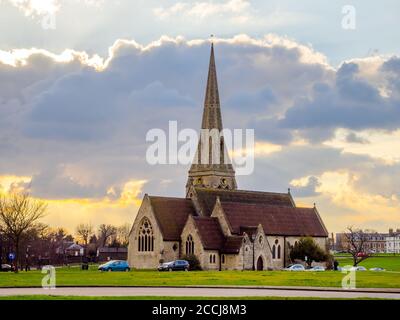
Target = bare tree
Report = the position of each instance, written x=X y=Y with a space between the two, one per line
x=84 y=232
x=123 y=234
x=105 y=232
x=19 y=213
x=355 y=240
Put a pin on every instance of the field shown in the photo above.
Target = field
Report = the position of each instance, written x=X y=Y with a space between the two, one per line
x=73 y=276
x=386 y=261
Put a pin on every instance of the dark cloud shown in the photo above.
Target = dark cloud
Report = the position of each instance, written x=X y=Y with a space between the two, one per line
x=354 y=138
x=67 y=114
x=349 y=103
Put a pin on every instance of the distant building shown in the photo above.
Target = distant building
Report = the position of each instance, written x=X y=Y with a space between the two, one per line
x=112 y=253
x=74 y=250
x=393 y=241
x=376 y=242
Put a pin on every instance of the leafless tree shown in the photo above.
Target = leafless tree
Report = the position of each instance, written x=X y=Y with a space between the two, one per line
x=19 y=213
x=105 y=232
x=123 y=234
x=84 y=232
x=355 y=240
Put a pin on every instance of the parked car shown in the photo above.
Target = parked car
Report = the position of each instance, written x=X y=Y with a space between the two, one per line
x=378 y=269
x=351 y=268
x=176 y=265
x=360 y=268
x=316 y=268
x=295 y=267
x=6 y=267
x=115 y=265
x=362 y=254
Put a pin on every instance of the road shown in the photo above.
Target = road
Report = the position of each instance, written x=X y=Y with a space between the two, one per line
x=194 y=292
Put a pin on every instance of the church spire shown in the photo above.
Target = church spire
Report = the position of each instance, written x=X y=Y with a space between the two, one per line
x=211 y=167
x=212 y=111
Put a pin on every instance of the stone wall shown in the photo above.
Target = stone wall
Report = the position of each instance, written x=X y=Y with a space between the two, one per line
x=190 y=229
x=162 y=249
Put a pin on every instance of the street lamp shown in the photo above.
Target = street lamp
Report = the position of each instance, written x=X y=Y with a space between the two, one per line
x=253 y=238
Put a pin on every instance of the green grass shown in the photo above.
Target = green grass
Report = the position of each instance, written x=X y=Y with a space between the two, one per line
x=154 y=278
x=76 y=277
x=390 y=263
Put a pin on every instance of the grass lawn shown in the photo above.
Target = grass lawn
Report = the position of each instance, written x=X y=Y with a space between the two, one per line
x=388 y=262
x=75 y=277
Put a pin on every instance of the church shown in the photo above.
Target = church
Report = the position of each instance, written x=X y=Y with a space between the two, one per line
x=224 y=227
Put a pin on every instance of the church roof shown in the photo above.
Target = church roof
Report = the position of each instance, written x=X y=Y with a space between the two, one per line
x=232 y=244
x=171 y=215
x=212 y=237
x=210 y=232
x=207 y=198
x=275 y=220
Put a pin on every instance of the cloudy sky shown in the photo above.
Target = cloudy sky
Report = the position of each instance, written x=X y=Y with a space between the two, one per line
x=82 y=82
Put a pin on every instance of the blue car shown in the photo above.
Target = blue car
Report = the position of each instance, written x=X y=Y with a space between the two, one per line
x=115 y=265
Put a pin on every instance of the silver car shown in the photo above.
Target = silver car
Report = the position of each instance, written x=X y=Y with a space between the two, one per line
x=316 y=268
x=295 y=267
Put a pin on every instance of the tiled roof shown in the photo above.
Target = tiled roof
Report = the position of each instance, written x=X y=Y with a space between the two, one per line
x=210 y=232
x=232 y=244
x=249 y=230
x=275 y=220
x=207 y=198
x=171 y=215
x=212 y=237
x=113 y=250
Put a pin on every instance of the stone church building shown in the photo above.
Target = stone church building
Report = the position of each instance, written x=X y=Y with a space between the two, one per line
x=226 y=228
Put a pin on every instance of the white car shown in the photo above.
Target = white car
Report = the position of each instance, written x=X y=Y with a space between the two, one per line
x=360 y=268
x=377 y=269
x=295 y=267
x=316 y=268
x=351 y=268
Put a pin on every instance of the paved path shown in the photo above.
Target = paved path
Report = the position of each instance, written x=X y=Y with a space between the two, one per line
x=195 y=292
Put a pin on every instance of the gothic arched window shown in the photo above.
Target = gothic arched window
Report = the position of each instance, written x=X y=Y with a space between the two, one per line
x=145 y=236
x=279 y=251
x=189 y=245
x=273 y=252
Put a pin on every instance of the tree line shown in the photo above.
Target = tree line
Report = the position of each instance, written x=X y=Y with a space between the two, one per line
x=22 y=233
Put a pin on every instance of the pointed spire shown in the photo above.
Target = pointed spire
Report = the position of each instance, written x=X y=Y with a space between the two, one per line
x=211 y=167
x=212 y=111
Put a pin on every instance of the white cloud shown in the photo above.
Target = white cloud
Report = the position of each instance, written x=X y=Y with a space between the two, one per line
x=202 y=10
x=36 y=7
x=46 y=7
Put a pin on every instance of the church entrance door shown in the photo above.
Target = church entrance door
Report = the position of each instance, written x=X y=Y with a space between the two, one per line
x=260 y=264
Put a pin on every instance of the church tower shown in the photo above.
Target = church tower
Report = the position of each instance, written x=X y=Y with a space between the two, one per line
x=211 y=167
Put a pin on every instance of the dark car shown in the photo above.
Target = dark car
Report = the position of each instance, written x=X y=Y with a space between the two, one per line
x=177 y=265
x=6 y=268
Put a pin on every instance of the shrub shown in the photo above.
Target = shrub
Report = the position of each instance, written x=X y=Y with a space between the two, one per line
x=193 y=262
x=307 y=247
